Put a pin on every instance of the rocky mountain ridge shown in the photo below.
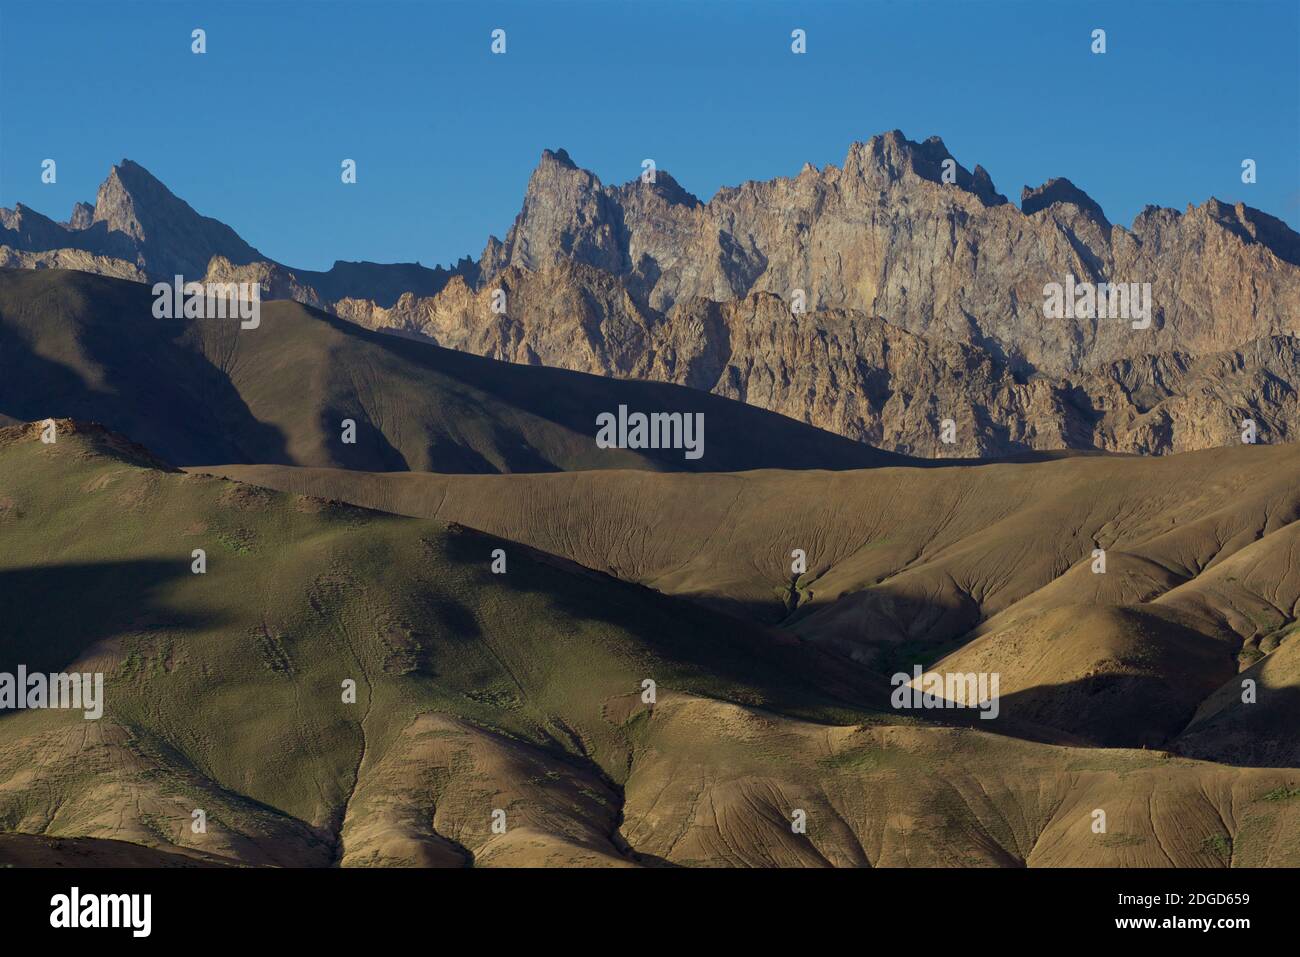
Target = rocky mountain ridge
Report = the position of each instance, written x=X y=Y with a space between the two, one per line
x=855 y=374
x=884 y=234
x=876 y=299
x=138 y=227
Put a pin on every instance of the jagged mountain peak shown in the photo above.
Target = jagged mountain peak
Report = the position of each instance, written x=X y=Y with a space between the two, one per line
x=665 y=186
x=21 y=210
x=557 y=182
x=135 y=171
x=560 y=157
x=167 y=235
x=1250 y=225
x=1255 y=226
x=1060 y=190
x=558 y=165
x=127 y=188
x=891 y=156
x=31 y=229
x=130 y=182
x=557 y=174
x=83 y=214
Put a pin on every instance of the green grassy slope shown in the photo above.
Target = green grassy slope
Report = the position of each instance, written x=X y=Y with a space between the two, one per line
x=478 y=693
x=989 y=568
x=234 y=676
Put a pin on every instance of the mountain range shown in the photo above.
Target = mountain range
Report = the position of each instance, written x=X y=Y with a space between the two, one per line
x=366 y=589
x=521 y=696
x=921 y=291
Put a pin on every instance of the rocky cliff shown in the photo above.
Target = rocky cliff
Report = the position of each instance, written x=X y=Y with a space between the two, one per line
x=886 y=235
x=876 y=299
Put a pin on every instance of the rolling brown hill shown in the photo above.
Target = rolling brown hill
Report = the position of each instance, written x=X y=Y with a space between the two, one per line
x=519 y=692
x=990 y=565
x=207 y=391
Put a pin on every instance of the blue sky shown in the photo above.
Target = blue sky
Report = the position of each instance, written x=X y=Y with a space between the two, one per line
x=445 y=134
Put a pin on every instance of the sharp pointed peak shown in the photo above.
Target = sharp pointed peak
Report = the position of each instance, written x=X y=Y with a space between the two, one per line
x=83 y=214
x=1253 y=226
x=893 y=154
x=129 y=172
x=1059 y=189
x=560 y=157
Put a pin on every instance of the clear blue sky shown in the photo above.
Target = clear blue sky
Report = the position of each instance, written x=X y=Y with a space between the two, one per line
x=445 y=134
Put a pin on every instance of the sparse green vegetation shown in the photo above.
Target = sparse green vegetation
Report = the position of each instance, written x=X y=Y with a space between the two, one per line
x=1218 y=845
x=1282 y=793
x=1120 y=840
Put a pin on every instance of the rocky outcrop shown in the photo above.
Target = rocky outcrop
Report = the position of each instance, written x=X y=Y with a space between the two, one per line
x=83 y=216
x=886 y=235
x=855 y=374
x=274 y=281
x=1062 y=191
x=11 y=258
x=369 y=285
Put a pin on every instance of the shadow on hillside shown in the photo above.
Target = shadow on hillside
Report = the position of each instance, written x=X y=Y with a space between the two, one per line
x=1140 y=712
x=1104 y=711
x=1259 y=735
x=51 y=615
x=753 y=437
x=755 y=664
x=738 y=437
x=164 y=382
x=737 y=660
